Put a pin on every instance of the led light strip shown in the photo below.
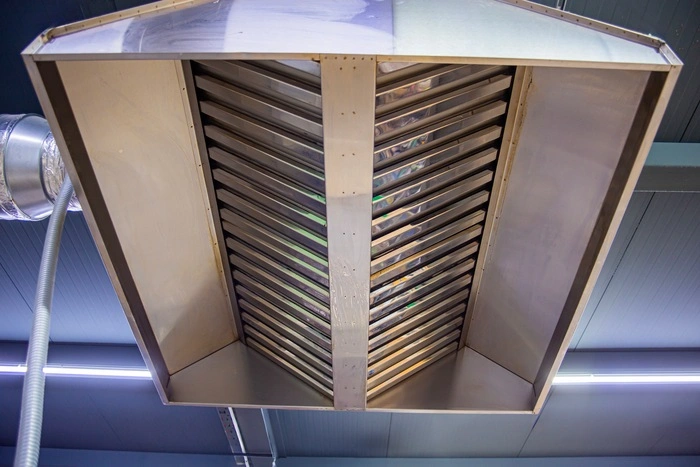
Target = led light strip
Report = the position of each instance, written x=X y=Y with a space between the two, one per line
x=587 y=379
x=564 y=379
x=124 y=373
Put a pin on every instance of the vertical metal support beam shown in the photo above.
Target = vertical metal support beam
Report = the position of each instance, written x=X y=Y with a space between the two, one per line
x=348 y=84
x=270 y=434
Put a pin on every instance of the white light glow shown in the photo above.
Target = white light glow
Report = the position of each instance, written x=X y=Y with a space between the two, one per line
x=81 y=371
x=628 y=379
x=562 y=379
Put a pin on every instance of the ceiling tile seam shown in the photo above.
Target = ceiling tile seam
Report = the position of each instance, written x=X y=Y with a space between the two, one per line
x=685 y=53
x=279 y=434
x=534 y=424
x=622 y=256
x=650 y=447
x=690 y=120
x=98 y=408
x=12 y=281
x=388 y=435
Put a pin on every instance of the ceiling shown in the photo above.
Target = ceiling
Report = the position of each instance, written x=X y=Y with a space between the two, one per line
x=646 y=298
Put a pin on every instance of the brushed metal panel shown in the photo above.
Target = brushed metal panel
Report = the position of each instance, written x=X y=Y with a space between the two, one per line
x=257 y=382
x=550 y=209
x=260 y=106
x=270 y=266
x=276 y=247
x=461 y=381
x=348 y=84
x=281 y=86
x=266 y=158
x=268 y=182
x=479 y=31
x=135 y=123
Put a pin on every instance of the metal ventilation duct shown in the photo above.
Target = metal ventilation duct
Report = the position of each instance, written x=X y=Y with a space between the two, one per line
x=373 y=205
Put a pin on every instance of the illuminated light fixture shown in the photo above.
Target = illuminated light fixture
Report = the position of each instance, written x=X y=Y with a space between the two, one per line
x=120 y=373
x=565 y=379
x=588 y=379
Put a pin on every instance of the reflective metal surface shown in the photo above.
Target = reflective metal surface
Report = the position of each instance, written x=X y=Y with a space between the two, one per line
x=260 y=177
x=229 y=142
x=424 y=226
x=264 y=137
x=292 y=364
x=293 y=87
x=348 y=109
x=312 y=318
x=433 y=135
x=412 y=84
x=424 y=206
x=417 y=332
x=418 y=306
x=474 y=32
x=440 y=107
x=462 y=381
x=411 y=353
x=293 y=146
x=412 y=365
x=437 y=135
x=256 y=381
x=278 y=248
x=253 y=304
x=336 y=292
x=420 y=274
x=271 y=266
x=433 y=182
x=554 y=198
x=292 y=294
x=411 y=318
x=275 y=205
x=287 y=117
x=285 y=342
x=426 y=255
x=412 y=167
x=289 y=229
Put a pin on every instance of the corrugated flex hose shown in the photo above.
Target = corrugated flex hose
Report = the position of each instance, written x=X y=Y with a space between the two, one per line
x=29 y=437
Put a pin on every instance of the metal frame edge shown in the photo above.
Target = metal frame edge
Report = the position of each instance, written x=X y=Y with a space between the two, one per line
x=61 y=121
x=564 y=332
x=516 y=111
x=348 y=139
x=586 y=22
x=204 y=169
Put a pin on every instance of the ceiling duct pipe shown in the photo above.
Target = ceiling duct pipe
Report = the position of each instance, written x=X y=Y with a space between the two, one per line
x=31 y=169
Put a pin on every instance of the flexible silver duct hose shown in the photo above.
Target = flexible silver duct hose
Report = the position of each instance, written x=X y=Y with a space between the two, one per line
x=31 y=169
x=29 y=437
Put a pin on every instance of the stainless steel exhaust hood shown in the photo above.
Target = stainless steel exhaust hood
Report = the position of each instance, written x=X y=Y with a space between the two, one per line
x=364 y=205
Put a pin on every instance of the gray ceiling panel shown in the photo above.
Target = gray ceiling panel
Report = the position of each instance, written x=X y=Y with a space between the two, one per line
x=110 y=414
x=678 y=23
x=633 y=216
x=653 y=299
x=86 y=308
x=338 y=434
x=430 y=435
x=16 y=313
x=617 y=420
